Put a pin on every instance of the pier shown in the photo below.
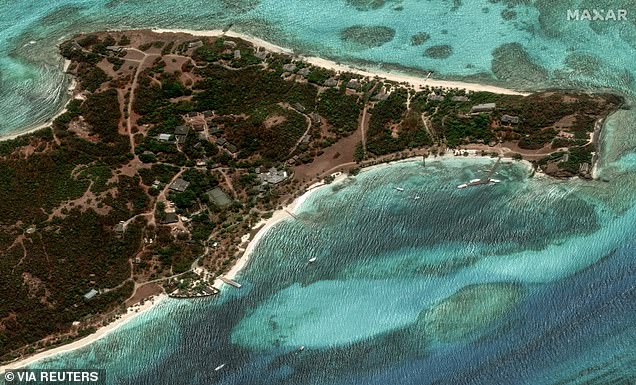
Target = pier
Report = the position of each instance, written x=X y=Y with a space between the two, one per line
x=230 y=282
x=483 y=181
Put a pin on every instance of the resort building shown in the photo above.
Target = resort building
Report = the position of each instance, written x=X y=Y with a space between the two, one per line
x=510 y=119
x=179 y=185
x=486 y=107
x=273 y=176
x=90 y=295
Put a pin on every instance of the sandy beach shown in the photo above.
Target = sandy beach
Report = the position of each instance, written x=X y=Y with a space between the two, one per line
x=415 y=81
x=266 y=224
x=102 y=332
x=28 y=130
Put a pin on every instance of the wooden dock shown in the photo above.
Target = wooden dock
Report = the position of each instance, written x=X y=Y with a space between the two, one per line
x=230 y=282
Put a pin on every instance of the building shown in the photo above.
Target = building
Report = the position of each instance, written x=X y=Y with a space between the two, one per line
x=165 y=137
x=220 y=141
x=179 y=185
x=303 y=72
x=460 y=98
x=273 y=176
x=231 y=148
x=198 y=126
x=90 y=295
x=331 y=82
x=213 y=130
x=437 y=98
x=305 y=138
x=291 y=67
x=171 y=218
x=486 y=107
x=195 y=44
x=181 y=133
x=510 y=119
x=181 y=130
x=381 y=95
x=354 y=84
x=315 y=117
x=237 y=54
x=114 y=48
x=261 y=54
x=208 y=114
x=120 y=228
x=219 y=198
x=229 y=43
x=298 y=107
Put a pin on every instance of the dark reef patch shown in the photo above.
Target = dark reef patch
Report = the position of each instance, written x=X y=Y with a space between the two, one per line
x=512 y=63
x=439 y=51
x=366 y=5
x=240 y=6
x=508 y=14
x=420 y=38
x=470 y=310
x=583 y=63
x=61 y=14
x=367 y=36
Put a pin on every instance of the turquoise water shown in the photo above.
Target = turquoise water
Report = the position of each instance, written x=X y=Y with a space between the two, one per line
x=527 y=282
x=552 y=51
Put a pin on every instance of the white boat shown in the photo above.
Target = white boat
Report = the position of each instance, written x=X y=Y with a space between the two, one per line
x=474 y=180
x=463 y=185
x=312 y=260
x=399 y=189
x=219 y=367
x=494 y=180
x=300 y=349
x=417 y=197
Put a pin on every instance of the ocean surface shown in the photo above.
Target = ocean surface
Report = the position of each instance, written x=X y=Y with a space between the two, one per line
x=531 y=281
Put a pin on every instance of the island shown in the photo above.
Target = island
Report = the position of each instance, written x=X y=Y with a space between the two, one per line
x=174 y=148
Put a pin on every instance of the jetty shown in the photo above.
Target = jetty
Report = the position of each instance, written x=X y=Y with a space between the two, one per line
x=230 y=282
x=483 y=181
x=203 y=292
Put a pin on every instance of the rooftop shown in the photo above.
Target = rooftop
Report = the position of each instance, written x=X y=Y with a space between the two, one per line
x=273 y=176
x=179 y=185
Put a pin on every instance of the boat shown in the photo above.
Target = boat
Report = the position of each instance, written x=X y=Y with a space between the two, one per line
x=463 y=185
x=300 y=349
x=219 y=367
x=312 y=260
x=474 y=180
x=417 y=197
x=494 y=180
x=400 y=189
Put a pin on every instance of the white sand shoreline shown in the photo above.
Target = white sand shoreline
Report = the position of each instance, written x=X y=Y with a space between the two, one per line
x=417 y=82
x=266 y=224
x=102 y=332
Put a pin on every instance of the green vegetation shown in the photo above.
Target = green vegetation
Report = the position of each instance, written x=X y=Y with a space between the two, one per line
x=341 y=110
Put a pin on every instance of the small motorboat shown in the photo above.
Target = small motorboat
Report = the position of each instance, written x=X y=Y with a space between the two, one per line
x=461 y=186
x=400 y=189
x=312 y=260
x=219 y=367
